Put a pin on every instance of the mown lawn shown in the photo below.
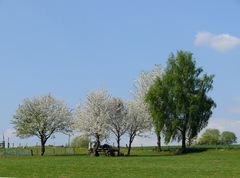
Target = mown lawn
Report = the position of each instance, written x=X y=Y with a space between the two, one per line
x=211 y=163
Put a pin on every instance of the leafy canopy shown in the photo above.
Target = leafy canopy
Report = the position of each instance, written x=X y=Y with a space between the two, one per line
x=41 y=116
x=210 y=137
x=228 y=138
x=179 y=101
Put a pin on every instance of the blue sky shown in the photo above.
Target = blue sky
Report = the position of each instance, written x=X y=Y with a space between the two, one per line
x=68 y=48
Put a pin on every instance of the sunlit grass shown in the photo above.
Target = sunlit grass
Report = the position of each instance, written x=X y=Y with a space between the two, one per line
x=144 y=163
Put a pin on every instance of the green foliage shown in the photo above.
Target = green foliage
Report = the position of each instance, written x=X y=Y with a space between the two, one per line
x=157 y=101
x=228 y=138
x=156 y=98
x=210 y=137
x=80 y=141
x=214 y=137
x=179 y=101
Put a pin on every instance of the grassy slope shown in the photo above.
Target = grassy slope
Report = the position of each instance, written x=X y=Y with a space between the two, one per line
x=212 y=163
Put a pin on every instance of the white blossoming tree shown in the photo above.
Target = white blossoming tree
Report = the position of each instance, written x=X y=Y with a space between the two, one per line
x=142 y=86
x=138 y=121
x=117 y=121
x=42 y=117
x=91 y=116
x=144 y=82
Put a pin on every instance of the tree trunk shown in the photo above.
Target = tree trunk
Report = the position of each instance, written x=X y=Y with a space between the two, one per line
x=43 y=141
x=97 y=145
x=118 y=145
x=183 y=141
x=159 y=142
x=130 y=144
x=129 y=148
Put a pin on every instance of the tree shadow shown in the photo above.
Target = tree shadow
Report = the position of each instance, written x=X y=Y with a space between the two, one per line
x=164 y=153
x=190 y=151
x=151 y=156
x=174 y=152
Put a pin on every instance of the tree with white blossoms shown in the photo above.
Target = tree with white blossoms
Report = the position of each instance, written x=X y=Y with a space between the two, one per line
x=91 y=116
x=117 y=121
x=138 y=121
x=42 y=117
x=141 y=88
x=144 y=82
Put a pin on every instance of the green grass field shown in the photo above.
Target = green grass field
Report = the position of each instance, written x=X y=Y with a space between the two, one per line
x=143 y=163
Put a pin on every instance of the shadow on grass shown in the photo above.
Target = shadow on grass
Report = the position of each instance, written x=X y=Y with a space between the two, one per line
x=173 y=152
x=190 y=151
x=164 y=153
x=152 y=156
x=69 y=155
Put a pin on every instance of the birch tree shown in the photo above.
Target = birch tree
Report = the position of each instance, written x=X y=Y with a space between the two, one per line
x=117 y=119
x=92 y=115
x=186 y=100
x=42 y=117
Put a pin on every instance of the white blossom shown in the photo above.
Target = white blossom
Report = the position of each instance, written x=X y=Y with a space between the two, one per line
x=42 y=117
x=137 y=118
x=117 y=116
x=91 y=116
x=117 y=121
x=41 y=114
x=142 y=85
x=144 y=82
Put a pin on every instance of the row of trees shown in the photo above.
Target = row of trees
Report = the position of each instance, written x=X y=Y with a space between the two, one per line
x=214 y=137
x=174 y=102
x=99 y=116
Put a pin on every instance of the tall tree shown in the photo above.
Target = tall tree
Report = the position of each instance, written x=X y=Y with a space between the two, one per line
x=188 y=107
x=158 y=105
x=210 y=137
x=142 y=86
x=91 y=116
x=228 y=138
x=42 y=117
x=117 y=119
x=138 y=121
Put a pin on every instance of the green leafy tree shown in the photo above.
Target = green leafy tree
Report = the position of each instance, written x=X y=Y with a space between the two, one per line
x=228 y=138
x=179 y=100
x=80 y=141
x=210 y=137
x=157 y=101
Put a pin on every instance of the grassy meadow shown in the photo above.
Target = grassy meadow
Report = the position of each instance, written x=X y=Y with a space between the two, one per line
x=143 y=163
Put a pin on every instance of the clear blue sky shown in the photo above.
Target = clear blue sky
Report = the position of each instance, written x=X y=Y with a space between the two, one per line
x=71 y=47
